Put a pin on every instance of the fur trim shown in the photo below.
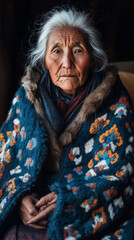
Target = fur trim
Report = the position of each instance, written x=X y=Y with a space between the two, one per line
x=92 y=103
x=30 y=83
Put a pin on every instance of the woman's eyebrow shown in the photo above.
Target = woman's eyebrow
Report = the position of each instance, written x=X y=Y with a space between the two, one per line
x=55 y=44
x=75 y=44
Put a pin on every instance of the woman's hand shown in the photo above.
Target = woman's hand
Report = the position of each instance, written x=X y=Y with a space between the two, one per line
x=45 y=206
x=34 y=213
x=28 y=210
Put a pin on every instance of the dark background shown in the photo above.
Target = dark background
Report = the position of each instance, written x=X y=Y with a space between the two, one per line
x=113 y=18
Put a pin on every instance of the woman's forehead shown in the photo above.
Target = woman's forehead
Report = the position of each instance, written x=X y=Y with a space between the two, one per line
x=67 y=35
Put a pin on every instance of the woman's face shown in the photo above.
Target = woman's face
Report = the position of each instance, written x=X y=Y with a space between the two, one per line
x=68 y=58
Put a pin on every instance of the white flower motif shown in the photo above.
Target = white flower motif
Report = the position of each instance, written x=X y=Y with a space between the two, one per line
x=16 y=170
x=89 y=145
x=2 y=204
x=111 y=212
x=119 y=202
x=25 y=178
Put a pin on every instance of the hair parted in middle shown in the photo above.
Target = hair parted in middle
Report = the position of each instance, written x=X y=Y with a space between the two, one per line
x=68 y=17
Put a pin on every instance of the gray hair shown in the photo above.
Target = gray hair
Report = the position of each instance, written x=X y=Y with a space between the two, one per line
x=73 y=18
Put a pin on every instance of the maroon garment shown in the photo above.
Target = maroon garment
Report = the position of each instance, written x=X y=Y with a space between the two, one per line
x=22 y=232
x=66 y=110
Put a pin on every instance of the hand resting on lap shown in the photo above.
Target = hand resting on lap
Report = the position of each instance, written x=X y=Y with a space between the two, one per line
x=34 y=213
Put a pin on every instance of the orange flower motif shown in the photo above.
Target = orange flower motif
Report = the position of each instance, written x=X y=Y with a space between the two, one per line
x=1 y=193
x=70 y=155
x=18 y=111
x=78 y=169
x=12 y=138
x=113 y=130
x=111 y=192
x=20 y=154
x=97 y=125
x=120 y=174
x=117 y=233
x=96 y=216
x=2 y=169
x=2 y=141
x=120 y=101
x=16 y=99
x=90 y=164
x=29 y=161
x=93 y=185
x=113 y=107
x=30 y=145
x=69 y=176
x=11 y=187
x=23 y=133
x=110 y=155
x=127 y=125
x=75 y=189
x=7 y=157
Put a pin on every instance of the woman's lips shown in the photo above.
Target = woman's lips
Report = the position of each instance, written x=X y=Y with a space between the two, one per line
x=68 y=76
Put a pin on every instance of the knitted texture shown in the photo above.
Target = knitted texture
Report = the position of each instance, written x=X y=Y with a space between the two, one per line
x=23 y=147
x=96 y=183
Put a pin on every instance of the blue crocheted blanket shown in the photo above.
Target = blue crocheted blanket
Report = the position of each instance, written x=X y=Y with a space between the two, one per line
x=95 y=185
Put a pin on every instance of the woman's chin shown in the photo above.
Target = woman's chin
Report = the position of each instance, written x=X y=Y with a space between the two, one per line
x=69 y=91
x=69 y=87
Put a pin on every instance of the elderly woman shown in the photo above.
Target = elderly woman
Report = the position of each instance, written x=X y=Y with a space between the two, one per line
x=67 y=146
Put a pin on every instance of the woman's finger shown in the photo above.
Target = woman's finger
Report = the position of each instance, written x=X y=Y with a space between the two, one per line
x=28 y=205
x=47 y=205
x=42 y=214
x=49 y=198
x=27 y=208
x=37 y=226
x=25 y=216
x=43 y=222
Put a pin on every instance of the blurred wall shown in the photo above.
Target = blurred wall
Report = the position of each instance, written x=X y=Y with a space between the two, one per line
x=113 y=18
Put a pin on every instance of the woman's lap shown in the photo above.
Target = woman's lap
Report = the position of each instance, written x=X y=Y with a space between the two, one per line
x=22 y=232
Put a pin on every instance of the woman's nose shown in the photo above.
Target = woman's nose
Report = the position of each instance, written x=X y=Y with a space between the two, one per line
x=67 y=60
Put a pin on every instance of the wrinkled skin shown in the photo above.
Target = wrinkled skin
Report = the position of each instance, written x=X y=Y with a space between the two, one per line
x=34 y=213
x=68 y=59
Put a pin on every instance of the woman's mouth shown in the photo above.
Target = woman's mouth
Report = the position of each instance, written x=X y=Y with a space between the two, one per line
x=68 y=75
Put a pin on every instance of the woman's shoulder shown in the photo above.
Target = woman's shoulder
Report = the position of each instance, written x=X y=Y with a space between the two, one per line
x=20 y=98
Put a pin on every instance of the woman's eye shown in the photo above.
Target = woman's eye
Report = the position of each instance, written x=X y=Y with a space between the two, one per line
x=77 y=50
x=56 y=51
